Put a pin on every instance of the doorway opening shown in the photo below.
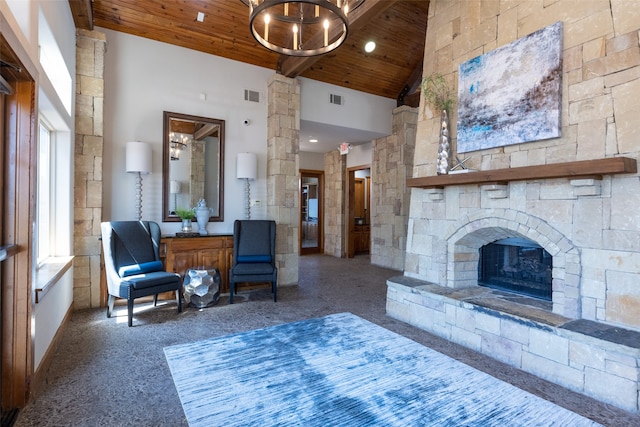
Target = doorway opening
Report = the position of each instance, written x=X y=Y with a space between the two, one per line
x=311 y=211
x=359 y=211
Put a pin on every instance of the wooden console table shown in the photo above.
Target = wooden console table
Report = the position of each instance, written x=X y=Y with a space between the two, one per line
x=584 y=169
x=181 y=253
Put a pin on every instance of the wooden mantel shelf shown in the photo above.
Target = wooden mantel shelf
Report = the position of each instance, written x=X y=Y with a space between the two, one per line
x=594 y=169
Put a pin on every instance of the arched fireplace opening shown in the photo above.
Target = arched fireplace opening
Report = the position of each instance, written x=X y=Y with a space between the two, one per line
x=516 y=265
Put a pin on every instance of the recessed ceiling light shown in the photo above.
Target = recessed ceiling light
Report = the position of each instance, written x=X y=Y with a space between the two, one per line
x=313 y=140
x=370 y=46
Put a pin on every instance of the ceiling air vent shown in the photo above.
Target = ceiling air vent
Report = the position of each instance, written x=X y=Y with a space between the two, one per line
x=335 y=99
x=251 y=95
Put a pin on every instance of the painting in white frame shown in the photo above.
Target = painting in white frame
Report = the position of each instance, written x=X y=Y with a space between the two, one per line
x=512 y=94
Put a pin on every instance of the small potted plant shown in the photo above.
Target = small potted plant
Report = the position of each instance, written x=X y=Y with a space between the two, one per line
x=186 y=215
x=440 y=97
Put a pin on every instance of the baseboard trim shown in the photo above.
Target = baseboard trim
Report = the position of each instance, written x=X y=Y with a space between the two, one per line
x=39 y=379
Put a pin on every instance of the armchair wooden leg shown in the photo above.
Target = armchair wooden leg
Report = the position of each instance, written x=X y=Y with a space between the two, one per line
x=112 y=299
x=130 y=311
x=155 y=300
x=274 y=288
x=232 y=290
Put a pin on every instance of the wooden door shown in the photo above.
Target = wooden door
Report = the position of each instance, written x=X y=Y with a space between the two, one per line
x=359 y=198
x=17 y=213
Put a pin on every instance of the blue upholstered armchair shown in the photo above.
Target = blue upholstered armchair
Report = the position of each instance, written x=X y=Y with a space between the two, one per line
x=132 y=263
x=254 y=255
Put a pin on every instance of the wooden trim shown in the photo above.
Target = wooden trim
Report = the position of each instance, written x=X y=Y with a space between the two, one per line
x=18 y=273
x=9 y=250
x=594 y=169
x=18 y=216
x=40 y=375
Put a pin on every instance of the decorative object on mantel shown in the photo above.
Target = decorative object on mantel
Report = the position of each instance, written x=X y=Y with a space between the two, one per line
x=247 y=169
x=202 y=216
x=460 y=166
x=439 y=96
x=300 y=28
x=138 y=161
x=186 y=215
x=512 y=94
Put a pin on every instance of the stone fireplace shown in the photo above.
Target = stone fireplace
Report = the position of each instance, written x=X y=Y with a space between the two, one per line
x=565 y=194
x=471 y=234
x=550 y=228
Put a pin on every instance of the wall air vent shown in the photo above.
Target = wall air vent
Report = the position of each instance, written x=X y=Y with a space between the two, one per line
x=251 y=95
x=336 y=99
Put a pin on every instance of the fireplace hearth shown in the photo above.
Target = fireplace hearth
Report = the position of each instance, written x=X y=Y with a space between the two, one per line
x=516 y=265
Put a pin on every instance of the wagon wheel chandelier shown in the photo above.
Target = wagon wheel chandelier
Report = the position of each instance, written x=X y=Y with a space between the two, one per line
x=302 y=27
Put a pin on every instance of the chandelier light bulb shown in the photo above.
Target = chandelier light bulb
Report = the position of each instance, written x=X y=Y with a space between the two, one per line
x=326 y=32
x=267 y=18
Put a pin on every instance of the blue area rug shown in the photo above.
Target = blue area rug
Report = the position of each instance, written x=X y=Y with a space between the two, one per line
x=341 y=370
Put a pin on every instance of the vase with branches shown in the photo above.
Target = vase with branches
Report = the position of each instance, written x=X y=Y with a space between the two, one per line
x=440 y=97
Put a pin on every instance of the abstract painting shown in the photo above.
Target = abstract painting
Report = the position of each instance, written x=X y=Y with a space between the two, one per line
x=512 y=94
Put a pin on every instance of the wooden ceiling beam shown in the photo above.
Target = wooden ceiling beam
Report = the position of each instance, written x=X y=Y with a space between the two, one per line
x=293 y=66
x=82 y=11
x=411 y=88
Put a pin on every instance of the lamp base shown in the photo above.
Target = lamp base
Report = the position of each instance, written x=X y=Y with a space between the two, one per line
x=248 y=195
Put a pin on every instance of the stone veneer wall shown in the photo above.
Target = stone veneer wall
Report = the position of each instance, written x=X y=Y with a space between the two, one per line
x=599 y=218
x=335 y=175
x=90 y=50
x=392 y=165
x=283 y=196
x=590 y=226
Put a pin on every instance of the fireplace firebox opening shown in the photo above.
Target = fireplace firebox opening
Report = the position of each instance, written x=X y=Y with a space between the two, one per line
x=516 y=265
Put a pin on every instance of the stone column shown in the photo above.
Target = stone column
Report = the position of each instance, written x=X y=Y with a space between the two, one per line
x=390 y=198
x=90 y=51
x=283 y=146
x=335 y=233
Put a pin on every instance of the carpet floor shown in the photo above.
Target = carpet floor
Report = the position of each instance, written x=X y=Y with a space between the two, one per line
x=104 y=373
x=341 y=370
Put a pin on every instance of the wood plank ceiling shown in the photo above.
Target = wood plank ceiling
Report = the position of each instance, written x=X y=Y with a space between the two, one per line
x=393 y=70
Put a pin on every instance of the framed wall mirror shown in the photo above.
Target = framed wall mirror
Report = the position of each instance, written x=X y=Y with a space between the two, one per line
x=192 y=165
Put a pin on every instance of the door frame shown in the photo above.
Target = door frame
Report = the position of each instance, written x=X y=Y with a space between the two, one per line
x=319 y=174
x=17 y=210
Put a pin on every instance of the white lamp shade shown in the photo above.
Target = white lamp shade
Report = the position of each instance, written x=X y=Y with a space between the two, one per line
x=138 y=157
x=247 y=166
x=174 y=186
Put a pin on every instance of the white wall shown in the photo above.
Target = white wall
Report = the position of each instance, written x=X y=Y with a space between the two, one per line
x=360 y=155
x=359 y=110
x=143 y=78
x=312 y=161
x=24 y=18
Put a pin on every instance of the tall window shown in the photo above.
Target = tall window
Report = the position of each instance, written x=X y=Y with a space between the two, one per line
x=45 y=189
